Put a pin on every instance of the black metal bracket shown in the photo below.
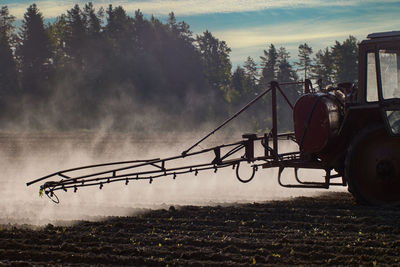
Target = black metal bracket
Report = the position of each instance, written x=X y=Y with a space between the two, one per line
x=306 y=184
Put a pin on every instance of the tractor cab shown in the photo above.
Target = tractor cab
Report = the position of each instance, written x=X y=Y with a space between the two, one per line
x=371 y=126
x=379 y=76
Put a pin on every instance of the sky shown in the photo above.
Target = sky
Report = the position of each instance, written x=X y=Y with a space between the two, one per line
x=250 y=26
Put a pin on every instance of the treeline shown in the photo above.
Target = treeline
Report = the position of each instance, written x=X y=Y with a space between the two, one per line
x=93 y=67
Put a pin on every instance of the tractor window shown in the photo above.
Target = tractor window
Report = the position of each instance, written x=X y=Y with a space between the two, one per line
x=393 y=117
x=390 y=73
x=372 y=85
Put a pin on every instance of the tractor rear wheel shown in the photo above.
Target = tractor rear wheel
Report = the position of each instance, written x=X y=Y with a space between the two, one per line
x=372 y=167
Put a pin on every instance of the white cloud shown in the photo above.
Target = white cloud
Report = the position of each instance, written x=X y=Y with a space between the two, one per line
x=185 y=7
x=319 y=34
x=307 y=30
x=49 y=9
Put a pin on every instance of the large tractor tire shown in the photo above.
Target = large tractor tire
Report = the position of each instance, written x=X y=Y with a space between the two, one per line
x=372 y=167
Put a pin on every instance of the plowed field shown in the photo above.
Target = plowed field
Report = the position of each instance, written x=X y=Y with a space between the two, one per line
x=326 y=230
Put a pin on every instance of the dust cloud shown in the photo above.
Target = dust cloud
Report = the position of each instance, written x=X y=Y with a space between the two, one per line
x=27 y=156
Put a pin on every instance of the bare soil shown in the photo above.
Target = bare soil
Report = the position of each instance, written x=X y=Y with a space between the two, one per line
x=327 y=230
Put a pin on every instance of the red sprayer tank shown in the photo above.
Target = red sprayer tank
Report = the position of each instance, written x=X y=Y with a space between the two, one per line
x=316 y=121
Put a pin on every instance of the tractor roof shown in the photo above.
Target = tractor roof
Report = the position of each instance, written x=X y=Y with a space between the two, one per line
x=383 y=34
x=381 y=38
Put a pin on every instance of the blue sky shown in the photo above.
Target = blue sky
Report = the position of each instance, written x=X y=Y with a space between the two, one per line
x=249 y=26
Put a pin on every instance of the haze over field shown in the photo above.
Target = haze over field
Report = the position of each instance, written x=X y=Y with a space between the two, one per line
x=26 y=157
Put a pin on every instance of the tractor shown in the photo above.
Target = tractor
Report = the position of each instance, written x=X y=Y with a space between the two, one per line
x=351 y=132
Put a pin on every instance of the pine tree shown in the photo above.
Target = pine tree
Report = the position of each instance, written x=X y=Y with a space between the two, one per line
x=94 y=19
x=143 y=31
x=171 y=22
x=185 y=33
x=268 y=74
x=305 y=62
x=251 y=70
x=34 y=53
x=286 y=73
x=94 y=46
x=238 y=90
x=243 y=90
x=217 y=66
x=9 y=93
x=76 y=36
x=57 y=32
x=117 y=22
x=268 y=63
x=323 y=67
x=120 y=31
x=8 y=69
x=345 y=60
x=215 y=56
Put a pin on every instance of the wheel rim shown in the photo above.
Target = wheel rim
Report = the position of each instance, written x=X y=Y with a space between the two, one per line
x=373 y=168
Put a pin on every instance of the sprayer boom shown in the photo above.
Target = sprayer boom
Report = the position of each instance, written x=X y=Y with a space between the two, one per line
x=125 y=171
x=214 y=158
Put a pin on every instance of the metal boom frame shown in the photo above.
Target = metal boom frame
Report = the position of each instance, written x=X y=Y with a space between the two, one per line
x=223 y=156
